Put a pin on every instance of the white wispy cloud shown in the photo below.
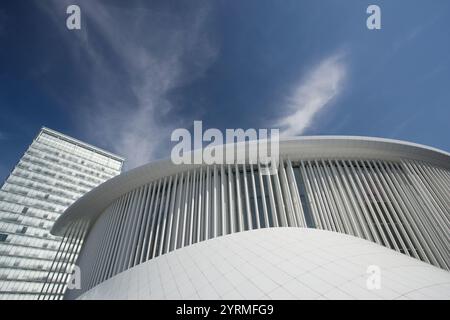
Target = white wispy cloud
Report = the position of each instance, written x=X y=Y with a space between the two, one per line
x=312 y=95
x=136 y=57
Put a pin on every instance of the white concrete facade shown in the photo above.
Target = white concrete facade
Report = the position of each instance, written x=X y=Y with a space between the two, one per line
x=392 y=193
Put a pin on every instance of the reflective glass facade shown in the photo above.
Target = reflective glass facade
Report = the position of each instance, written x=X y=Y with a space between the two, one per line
x=54 y=172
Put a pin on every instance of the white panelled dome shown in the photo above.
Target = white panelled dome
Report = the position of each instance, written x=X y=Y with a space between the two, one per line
x=277 y=263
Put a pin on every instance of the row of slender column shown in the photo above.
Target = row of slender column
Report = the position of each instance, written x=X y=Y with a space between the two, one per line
x=62 y=265
x=403 y=205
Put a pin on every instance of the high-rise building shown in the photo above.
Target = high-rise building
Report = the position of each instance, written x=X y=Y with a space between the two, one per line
x=54 y=172
x=337 y=210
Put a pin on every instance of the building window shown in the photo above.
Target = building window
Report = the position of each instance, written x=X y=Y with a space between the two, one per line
x=25 y=209
x=3 y=237
x=23 y=230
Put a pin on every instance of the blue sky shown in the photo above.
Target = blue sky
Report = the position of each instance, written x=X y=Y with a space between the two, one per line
x=139 y=69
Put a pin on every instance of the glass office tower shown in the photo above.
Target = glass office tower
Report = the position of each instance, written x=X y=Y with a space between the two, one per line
x=54 y=172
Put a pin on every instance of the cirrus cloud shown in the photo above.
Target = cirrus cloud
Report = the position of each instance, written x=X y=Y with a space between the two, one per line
x=312 y=95
x=130 y=58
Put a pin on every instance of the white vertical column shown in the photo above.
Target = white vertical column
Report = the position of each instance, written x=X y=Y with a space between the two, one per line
x=88 y=280
x=169 y=197
x=363 y=215
x=279 y=198
x=223 y=199
x=314 y=209
x=289 y=195
x=136 y=228
x=129 y=222
x=410 y=212
x=441 y=194
x=432 y=195
x=185 y=209
x=142 y=224
x=122 y=235
x=263 y=197
x=444 y=176
x=420 y=214
x=147 y=220
x=207 y=203
x=272 y=201
x=171 y=213
x=215 y=203
x=107 y=264
x=192 y=208
x=391 y=202
x=240 y=220
x=436 y=234
x=342 y=188
x=328 y=192
x=338 y=205
x=321 y=196
x=295 y=195
x=376 y=198
x=200 y=208
x=313 y=190
x=379 y=230
x=437 y=179
x=152 y=213
x=255 y=197
x=400 y=208
x=178 y=208
x=247 y=199
x=164 y=195
x=231 y=200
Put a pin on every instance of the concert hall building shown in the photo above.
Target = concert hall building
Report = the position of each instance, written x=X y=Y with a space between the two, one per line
x=341 y=218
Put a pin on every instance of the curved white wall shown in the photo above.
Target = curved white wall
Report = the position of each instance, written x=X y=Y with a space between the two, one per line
x=399 y=205
x=277 y=263
x=391 y=193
